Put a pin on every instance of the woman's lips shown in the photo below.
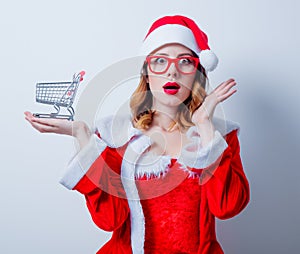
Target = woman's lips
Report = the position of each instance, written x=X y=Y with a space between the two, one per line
x=171 y=88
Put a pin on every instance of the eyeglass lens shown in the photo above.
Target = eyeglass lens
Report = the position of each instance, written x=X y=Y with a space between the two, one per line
x=161 y=64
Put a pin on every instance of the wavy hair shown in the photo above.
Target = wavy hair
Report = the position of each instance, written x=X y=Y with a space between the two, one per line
x=142 y=99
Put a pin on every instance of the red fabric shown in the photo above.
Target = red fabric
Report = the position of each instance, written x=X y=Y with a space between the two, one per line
x=179 y=221
x=171 y=219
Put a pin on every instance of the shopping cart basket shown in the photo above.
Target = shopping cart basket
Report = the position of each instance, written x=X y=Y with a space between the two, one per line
x=58 y=94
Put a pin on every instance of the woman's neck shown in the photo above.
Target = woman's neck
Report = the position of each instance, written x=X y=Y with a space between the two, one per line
x=164 y=117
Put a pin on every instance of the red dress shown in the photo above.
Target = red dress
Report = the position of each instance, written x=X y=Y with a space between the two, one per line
x=167 y=206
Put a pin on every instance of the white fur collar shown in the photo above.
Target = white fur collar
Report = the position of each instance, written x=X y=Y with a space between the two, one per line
x=118 y=130
x=221 y=125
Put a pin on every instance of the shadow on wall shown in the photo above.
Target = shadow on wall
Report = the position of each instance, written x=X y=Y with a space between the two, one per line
x=270 y=153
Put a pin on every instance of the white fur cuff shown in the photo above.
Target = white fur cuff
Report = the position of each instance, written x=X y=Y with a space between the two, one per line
x=196 y=156
x=82 y=161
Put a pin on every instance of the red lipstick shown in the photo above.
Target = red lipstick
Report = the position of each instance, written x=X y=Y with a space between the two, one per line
x=171 y=88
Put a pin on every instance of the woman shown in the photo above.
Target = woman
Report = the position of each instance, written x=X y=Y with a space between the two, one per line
x=172 y=167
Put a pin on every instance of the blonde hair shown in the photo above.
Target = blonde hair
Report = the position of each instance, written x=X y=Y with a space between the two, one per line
x=141 y=102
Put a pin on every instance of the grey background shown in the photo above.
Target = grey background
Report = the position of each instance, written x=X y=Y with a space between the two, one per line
x=257 y=43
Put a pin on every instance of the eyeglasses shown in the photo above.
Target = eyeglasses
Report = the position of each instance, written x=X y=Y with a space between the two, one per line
x=160 y=64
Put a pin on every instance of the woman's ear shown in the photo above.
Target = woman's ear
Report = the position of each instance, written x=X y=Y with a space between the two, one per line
x=145 y=73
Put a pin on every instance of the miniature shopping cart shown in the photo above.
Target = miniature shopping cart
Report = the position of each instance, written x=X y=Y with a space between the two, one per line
x=58 y=94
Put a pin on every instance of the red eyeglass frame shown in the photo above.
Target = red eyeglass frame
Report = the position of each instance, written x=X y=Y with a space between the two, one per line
x=175 y=61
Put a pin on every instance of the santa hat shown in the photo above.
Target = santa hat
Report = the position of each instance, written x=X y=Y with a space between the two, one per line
x=182 y=30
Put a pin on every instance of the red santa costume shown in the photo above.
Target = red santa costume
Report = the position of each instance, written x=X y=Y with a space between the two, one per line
x=158 y=204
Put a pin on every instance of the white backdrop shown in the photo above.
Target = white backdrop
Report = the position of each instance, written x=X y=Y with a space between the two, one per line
x=257 y=43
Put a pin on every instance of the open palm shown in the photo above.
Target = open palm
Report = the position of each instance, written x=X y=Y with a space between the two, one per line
x=206 y=110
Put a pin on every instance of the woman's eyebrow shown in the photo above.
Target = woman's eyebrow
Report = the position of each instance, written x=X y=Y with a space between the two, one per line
x=184 y=54
x=161 y=54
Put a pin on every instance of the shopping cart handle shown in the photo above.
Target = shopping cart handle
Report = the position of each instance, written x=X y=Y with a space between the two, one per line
x=82 y=73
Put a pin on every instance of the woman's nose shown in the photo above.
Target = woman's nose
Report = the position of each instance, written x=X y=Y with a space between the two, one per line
x=172 y=71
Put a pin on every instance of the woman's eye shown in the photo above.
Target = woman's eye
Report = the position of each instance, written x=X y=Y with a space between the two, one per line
x=160 y=60
x=185 y=61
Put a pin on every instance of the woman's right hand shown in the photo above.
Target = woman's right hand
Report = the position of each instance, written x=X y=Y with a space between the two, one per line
x=77 y=129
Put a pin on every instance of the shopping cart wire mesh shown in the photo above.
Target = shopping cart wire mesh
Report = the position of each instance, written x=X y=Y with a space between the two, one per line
x=58 y=94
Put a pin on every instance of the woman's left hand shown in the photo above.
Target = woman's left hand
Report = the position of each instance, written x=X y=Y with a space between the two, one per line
x=205 y=112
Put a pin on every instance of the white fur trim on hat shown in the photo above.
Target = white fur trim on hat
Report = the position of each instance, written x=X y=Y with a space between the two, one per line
x=171 y=33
